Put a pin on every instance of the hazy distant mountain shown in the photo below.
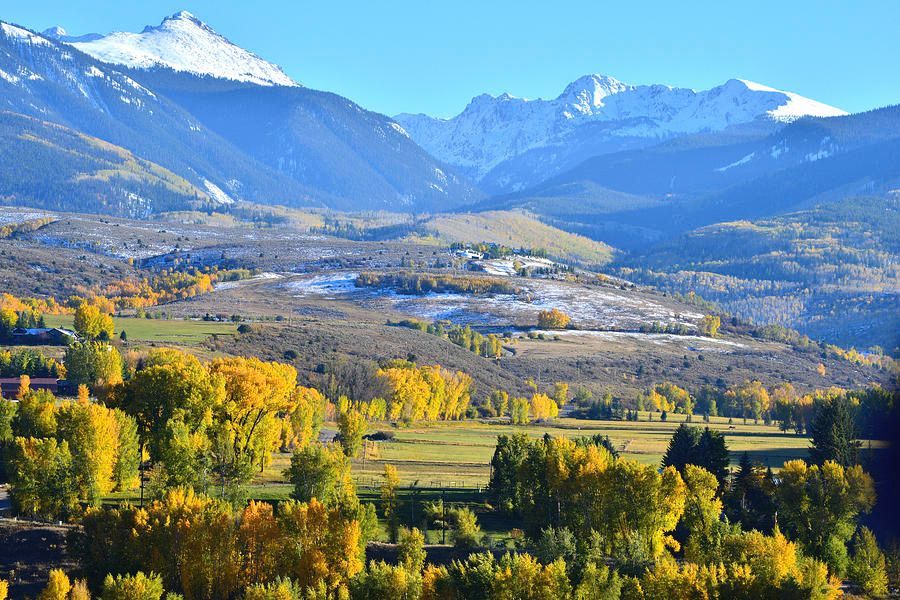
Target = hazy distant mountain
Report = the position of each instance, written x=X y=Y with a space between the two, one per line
x=59 y=34
x=627 y=198
x=509 y=143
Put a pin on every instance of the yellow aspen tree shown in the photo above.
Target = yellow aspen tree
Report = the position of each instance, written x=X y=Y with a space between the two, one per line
x=58 y=586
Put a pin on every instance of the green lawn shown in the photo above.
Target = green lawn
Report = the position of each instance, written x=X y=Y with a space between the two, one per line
x=174 y=331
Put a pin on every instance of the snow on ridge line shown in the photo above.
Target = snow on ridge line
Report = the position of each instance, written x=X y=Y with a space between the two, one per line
x=13 y=32
x=494 y=129
x=184 y=43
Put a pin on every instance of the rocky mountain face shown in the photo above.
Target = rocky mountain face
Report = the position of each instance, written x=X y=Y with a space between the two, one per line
x=509 y=144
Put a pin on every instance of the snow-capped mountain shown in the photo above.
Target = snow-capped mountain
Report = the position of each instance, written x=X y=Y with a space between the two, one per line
x=47 y=87
x=183 y=43
x=61 y=35
x=509 y=143
x=229 y=140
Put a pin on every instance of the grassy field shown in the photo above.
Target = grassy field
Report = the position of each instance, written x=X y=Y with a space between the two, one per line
x=176 y=331
x=456 y=456
x=515 y=229
x=452 y=460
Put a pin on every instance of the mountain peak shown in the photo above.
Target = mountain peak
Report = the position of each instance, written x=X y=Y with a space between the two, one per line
x=183 y=15
x=182 y=18
x=56 y=32
x=184 y=43
x=587 y=93
x=491 y=131
x=781 y=105
x=595 y=82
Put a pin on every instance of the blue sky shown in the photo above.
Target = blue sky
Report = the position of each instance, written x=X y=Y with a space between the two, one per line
x=433 y=56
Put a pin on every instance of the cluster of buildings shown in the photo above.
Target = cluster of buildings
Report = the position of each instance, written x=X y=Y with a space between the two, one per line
x=38 y=336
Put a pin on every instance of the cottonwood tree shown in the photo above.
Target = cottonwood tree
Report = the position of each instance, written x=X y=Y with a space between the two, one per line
x=91 y=323
x=818 y=505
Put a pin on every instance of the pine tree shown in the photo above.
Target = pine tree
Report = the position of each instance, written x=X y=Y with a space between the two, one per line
x=712 y=454
x=833 y=432
x=868 y=568
x=682 y=446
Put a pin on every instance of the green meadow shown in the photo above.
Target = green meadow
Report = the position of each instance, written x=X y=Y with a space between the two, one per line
x=172 y=331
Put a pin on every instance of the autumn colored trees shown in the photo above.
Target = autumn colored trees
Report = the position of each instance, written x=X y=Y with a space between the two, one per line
x=91 y=323
x=425 y=392
x=709 y=326
x=553 y=319
x=558 y=483
x=640 y=517
x=599 y=525
x=57 y=455
x=217 y=423
x=818 y=506
x=94 y=363
x=203 y=549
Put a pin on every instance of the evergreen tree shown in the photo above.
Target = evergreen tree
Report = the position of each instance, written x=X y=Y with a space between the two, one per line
x=868 y=568
x=750 y=501
x=509 y=454
x=682 y=447
x=712 y=454
x=833 y=432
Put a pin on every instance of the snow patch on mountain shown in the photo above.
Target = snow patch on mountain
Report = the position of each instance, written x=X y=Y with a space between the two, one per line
x=184 y=43
x=492 y=130
x=737 y=163
x=795 y=106
x=216 y=193
x=22 y=35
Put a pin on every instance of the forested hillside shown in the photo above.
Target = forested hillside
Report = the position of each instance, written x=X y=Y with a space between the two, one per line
x=831 y=272
x=58 y=168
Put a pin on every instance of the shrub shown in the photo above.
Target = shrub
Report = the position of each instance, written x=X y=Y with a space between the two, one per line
x=468 y=532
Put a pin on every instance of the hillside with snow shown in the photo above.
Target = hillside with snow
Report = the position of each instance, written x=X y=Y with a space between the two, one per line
x=247 y=133
x=509 y=143
x=184 y=43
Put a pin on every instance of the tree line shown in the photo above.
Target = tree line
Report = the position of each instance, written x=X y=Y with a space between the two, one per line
x=596 y=526
x=422 y=283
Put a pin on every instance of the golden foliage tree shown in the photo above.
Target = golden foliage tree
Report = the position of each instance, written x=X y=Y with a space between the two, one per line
x=709 y=326
x=553 y=319
x=92 y=433
x=543 y=407
x=58 y=586
x=389 y=503
x=91 y=323
x=321 y=544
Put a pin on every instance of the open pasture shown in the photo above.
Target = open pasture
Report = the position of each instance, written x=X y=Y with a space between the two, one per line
x=174 y=331
x=457 y=455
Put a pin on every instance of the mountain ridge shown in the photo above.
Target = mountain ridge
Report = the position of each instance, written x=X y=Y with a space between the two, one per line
x=305 y=148
x=596 y=113
x=183 y=43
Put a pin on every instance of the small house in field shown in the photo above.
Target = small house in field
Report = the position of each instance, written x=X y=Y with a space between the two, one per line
x=10 y=385
x=42 y=336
